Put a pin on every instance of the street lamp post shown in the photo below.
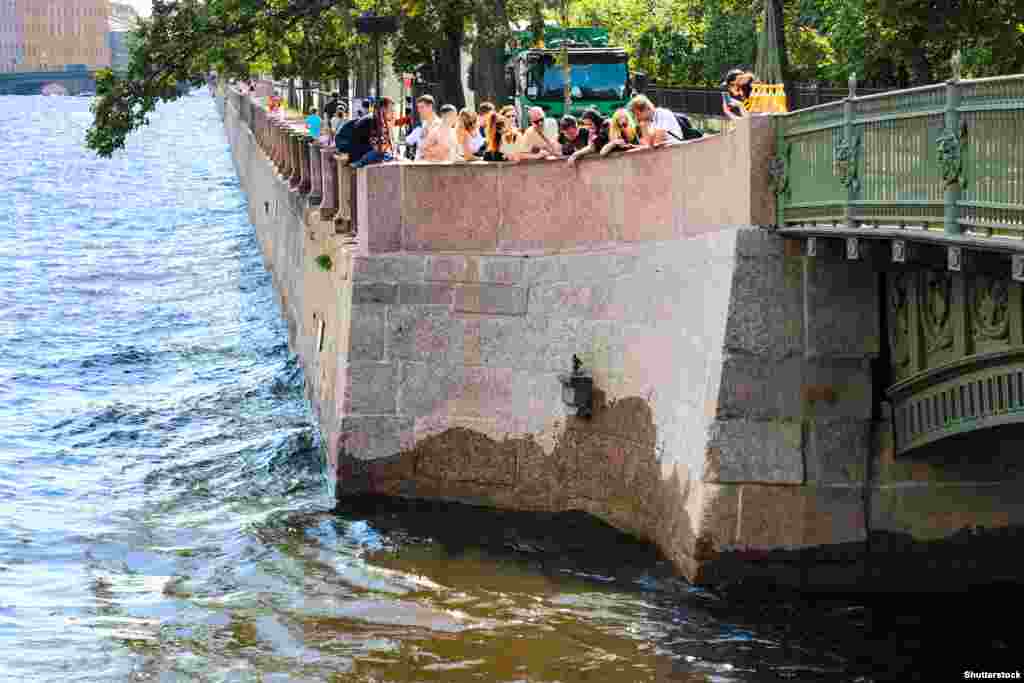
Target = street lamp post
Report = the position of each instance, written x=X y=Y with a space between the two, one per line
x=375 y=26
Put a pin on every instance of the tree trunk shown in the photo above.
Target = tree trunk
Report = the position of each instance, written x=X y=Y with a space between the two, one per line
x=566 y=68
x=489 y=52
x=449 y=64
x=777 y=8
x=537 y=22
x=920 y=69
x=363 y=77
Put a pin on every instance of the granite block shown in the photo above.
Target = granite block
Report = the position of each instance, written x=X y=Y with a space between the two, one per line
x=501 y=269
x=388 y=268
x=490 y=299
x=370 y=388
x=425 y=333
x=370 y=333
x=429 y=294
x=374 y=437
x=745 y=451
x=374 y=293
x=837 y=450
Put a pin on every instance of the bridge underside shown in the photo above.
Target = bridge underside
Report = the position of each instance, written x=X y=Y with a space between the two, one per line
x=954 y=323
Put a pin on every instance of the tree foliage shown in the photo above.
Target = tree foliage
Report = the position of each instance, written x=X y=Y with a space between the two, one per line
x=677 y=42
x=183 y=40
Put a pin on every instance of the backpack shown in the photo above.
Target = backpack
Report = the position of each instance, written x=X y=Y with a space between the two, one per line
x=689 y=132
x=344 y=139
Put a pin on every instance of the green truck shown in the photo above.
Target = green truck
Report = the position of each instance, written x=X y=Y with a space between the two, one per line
x=599 y=78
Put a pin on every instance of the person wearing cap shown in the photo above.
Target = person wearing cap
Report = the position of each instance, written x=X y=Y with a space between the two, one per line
x=649 y=117
x=738 y=84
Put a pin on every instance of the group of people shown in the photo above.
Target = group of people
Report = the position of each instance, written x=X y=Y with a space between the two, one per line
x=492 y=134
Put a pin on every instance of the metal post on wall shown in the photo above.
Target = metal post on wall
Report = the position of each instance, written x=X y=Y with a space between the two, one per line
x=851 y=149
x=949 y=149
x=376 y=63
x=376 y=26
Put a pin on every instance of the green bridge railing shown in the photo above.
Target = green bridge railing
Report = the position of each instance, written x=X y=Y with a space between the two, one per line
x=945 y=158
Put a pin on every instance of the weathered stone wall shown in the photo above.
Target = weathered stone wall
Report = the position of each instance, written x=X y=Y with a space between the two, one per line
x=736 y=421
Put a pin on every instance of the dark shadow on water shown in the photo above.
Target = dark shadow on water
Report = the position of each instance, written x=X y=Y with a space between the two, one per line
x=762 y=631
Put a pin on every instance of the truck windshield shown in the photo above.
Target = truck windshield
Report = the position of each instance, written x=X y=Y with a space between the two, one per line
x=600 y=81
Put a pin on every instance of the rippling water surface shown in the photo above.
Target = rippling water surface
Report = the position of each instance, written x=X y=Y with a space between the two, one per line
x=163 y=514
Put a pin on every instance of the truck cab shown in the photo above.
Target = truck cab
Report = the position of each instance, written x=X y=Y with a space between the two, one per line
x=600 y=79
x=599 y=74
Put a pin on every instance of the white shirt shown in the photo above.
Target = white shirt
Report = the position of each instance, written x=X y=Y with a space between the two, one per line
x=414 y=137
x=666 y=121
x=476 y=141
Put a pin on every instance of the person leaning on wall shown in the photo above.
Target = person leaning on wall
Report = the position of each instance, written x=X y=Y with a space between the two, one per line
x=646 y=115
x=622 y=133
x=467 y=136
x=571 y=136
x=597 y=135
x=536 y=142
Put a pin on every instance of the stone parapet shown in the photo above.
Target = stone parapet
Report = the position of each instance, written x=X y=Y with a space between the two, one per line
x=675 y=192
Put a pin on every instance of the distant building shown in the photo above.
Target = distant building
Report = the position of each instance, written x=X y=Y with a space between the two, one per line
x=54 y=34
x=122 y=21
x=12 y=36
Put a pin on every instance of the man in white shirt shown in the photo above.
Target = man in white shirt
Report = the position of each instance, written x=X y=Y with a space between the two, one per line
x=660 y=118
x=435 y=144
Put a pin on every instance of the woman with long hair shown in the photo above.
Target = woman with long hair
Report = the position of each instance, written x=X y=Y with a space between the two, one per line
x=383 y=119
x=509 y=114
x=466 y=136
x=502 y=139
x=622 y=133
x=382 y=148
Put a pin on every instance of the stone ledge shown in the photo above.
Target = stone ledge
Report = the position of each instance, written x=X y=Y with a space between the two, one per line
x=374 y=293
x=431 y=294
x=388 y=268
x=490 y=299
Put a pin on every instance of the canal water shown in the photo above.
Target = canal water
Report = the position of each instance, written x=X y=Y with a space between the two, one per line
x=163 y=513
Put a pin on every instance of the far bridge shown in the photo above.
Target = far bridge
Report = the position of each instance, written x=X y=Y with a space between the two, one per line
x=32 y=82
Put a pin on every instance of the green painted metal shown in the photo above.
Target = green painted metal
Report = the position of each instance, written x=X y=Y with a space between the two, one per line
x=947 y=158
x=948 y=153
x=956 y=344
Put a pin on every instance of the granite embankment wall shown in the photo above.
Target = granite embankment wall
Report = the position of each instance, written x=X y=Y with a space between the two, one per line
x=733 y=423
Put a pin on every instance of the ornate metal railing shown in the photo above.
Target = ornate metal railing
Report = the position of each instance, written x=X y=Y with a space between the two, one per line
x=946 y=159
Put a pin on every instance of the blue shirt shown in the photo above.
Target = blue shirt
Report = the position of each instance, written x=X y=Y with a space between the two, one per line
x=313 y=121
